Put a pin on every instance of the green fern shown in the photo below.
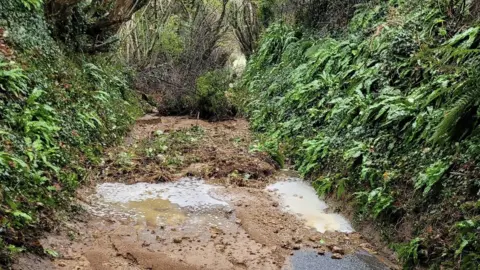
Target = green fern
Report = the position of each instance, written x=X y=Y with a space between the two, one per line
x=32 y=4
x=470 y=98
x=409 y=252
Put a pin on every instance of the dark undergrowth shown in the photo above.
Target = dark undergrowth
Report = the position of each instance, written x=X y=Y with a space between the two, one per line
x=58 y=111
x=385 y=116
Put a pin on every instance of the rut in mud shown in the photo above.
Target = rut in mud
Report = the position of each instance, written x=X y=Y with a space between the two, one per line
x=187 y=194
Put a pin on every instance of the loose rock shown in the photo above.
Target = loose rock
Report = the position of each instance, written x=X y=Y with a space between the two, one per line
x=296 y=247
x=337 y=256
x=338 y=250
x=177 y=240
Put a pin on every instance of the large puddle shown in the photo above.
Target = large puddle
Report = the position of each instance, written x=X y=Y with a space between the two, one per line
x=195 y=206
x=298 y=197
x=190 y=199
x=170 y=203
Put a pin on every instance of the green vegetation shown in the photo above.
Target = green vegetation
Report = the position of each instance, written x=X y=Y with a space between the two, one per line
x=58 y=111
x=180 y=52
x=384 y=114
x=377 y=102
x=168 y=149
x=210 y=98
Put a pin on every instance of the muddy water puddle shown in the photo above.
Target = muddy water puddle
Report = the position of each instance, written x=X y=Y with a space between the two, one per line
x=299 y=198
x=187 y=200
x=195 y=222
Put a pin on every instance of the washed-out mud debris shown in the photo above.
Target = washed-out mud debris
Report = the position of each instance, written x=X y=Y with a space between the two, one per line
x=205 y=216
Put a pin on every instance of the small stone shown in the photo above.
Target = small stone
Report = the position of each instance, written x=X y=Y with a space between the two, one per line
x=238 y=203
x=296 y=247
x=275 y=204
x=285 y=244
x=220 y=248
x=296 y=240
x=314 y=238
x=238 y=221
x=366 y=246
x=337 y=256
x=321 y=252
x=62 y=264
x=177 y=240
x=275 y=231
x=338 y=250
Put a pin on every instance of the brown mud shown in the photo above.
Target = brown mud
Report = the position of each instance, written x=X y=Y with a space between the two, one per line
x=252 y=232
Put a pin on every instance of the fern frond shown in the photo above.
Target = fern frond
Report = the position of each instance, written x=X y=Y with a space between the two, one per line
x=471 y=97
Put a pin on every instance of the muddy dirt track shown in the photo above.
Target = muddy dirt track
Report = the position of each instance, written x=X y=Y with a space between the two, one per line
x=187 y=194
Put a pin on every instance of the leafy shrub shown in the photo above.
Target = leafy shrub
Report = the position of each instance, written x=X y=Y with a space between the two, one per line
x=210 y=98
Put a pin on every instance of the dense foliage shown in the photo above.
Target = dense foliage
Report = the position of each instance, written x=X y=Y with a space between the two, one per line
x=386 y=116
x=58 y=110
x=172 y=44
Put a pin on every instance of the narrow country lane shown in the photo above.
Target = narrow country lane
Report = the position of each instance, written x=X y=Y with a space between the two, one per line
x=188 y=194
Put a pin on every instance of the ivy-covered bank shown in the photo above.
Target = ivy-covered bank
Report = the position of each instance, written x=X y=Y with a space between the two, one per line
x=386 y=116
x=58 y=110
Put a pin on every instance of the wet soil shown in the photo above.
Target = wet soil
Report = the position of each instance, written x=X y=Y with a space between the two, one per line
x=217 y=209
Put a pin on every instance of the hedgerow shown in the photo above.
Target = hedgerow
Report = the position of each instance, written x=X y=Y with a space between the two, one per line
x=58 y=110
x=386 y=116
